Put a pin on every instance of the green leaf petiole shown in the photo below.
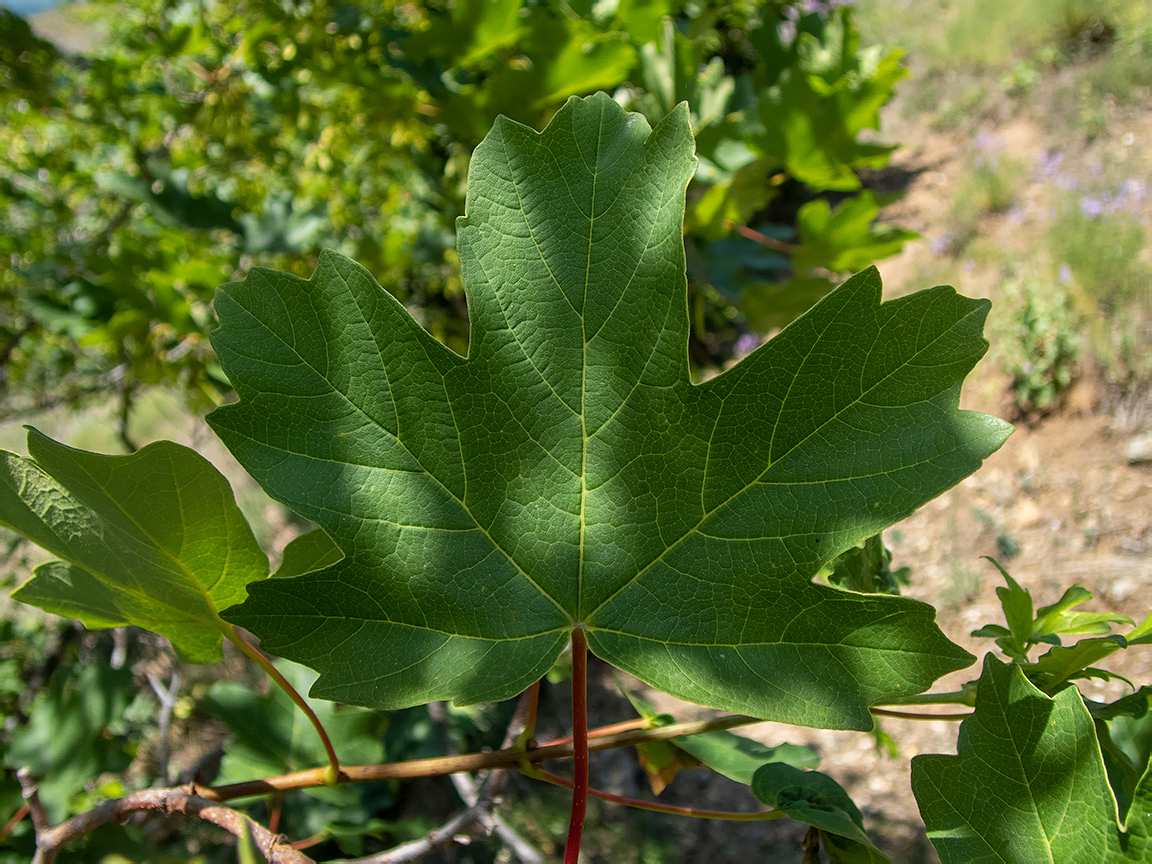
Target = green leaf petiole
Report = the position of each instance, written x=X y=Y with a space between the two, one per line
x=331 y=774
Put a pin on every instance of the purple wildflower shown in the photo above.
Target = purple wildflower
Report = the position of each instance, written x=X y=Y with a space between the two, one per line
x=941 y=244
x=1130 y=194
x=746 y=344
x=1050 y=164
x=1091 y=207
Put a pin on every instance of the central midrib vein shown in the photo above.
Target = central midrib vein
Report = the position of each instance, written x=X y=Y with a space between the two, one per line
x=584 y=375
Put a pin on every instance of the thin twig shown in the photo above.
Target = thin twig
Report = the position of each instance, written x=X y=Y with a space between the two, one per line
x=529 y=702
x=40 y=821
x=167 y=699
x=274 y=848
x=521 y=726
x=331 y=774
x=508 y=757
x=469 y=793
x=276 y=810
x=31 y=793
x=16 y=819
x=99 y=387
x=638 y=723
x=762 y=239
x=481 y=803
x=656 y=807
x=523 y=722
x=123 y=415
x=430 y=842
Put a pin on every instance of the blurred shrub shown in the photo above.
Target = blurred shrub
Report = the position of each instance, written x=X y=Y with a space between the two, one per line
x=1101 y=238
x=1042 y=356
x=990 y=188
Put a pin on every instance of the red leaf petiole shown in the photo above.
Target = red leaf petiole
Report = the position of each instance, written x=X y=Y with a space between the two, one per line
x=580 y=743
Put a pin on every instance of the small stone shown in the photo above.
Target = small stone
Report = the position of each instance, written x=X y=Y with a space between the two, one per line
x=1139 y=449
x=1122 y=588
x=1131 y=546
x=1027 y=515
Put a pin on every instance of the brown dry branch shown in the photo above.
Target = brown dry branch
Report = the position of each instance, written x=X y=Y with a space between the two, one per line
x=276 y=849
x=49 y=840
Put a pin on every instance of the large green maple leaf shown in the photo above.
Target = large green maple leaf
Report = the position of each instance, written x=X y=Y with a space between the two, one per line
x=568 y=473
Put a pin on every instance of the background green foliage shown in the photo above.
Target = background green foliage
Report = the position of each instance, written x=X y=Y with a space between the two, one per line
x=194 y=141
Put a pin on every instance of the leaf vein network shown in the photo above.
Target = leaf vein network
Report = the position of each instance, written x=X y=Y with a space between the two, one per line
x=635 y=386
x=383 y=521
x=1017 y=752
x=532 y=234
x=463 y=505
x=584 y=378
x=563 y=175
x=155 y=599
x=782 y=643
x=632 y=277
x=523 y=350
x=759 y=478
x=379 y=354
x=180 y=565
x=438 y=630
